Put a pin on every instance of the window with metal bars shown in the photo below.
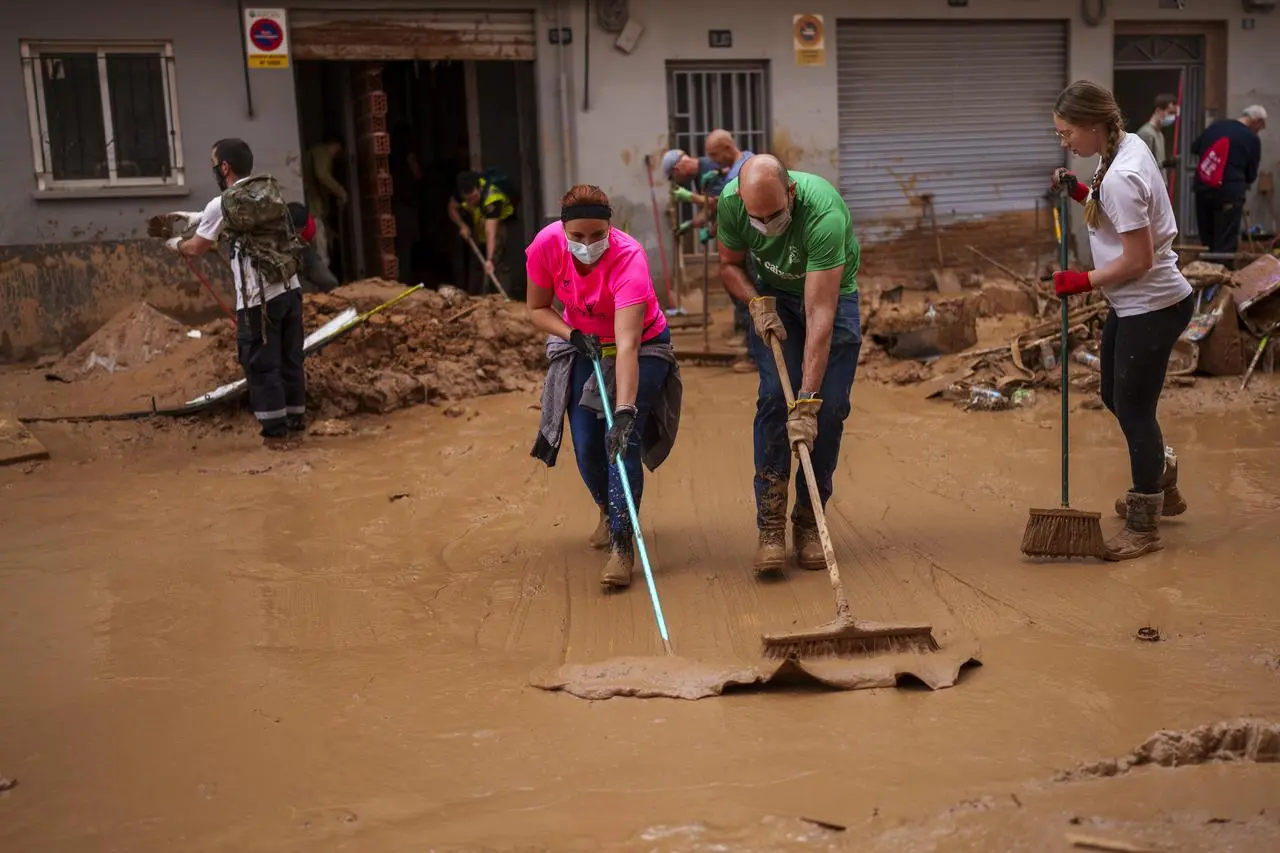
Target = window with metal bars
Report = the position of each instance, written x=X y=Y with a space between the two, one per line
x=102 y=116
x=704 y=96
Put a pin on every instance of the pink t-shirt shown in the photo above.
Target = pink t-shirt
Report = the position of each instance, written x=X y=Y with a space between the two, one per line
x=619 y=280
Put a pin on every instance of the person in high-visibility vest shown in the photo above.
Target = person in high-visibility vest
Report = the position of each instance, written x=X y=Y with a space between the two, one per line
x=480 y=209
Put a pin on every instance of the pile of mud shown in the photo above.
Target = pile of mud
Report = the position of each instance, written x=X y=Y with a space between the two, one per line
x=430 y=346
x=133 y=337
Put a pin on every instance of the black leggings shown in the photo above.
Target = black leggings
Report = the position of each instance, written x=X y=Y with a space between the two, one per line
x=1135 y=356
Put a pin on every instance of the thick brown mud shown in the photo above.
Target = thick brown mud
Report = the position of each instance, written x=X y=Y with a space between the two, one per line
x=210 y=646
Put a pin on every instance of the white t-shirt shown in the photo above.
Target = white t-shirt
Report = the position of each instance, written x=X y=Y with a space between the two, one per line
x=247 y=294
x=1134 y=196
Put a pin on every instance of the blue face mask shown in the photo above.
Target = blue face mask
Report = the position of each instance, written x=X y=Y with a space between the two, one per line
x=1168 y=119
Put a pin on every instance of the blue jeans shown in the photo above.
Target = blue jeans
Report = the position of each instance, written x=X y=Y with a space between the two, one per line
x=589 y=430
x=772 y=452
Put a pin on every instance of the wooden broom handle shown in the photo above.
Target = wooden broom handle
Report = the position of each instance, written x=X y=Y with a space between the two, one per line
x=806 y=464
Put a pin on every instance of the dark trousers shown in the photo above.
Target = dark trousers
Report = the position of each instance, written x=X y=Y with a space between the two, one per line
x=589 y=430
x=477 y=281
x=772 y=450
x=273 y=363
x=1219 y=220
x=1135 y=356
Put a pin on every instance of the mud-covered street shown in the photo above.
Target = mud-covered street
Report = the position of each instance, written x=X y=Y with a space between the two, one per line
x=212 y=646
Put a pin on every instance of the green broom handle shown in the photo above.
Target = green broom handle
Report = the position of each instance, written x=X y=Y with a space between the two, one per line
x=1064 y=257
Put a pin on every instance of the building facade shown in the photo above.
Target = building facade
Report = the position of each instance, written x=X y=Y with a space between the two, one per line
x=112 y=116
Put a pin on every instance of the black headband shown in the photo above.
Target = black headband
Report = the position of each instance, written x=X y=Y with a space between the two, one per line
x=585 y=211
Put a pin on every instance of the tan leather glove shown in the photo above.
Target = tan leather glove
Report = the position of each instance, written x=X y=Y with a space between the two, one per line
x=802 y=423
x=764 y=315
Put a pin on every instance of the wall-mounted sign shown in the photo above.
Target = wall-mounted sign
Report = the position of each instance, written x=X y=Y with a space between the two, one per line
x=810 y=39
x=560 y=35
x=719 y=38
x=266 y=38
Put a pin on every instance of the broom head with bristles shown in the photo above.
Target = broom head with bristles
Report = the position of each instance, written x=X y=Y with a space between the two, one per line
x=852 y=637
x=1063 y=533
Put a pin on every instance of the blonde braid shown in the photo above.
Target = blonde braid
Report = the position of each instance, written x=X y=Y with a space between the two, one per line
x=1093 y=207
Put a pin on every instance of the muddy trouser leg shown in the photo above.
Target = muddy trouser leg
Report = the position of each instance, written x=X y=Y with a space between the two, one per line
x=261 y=360
x=653 y=375
x=769 y=432
x=321 y=241
x=588 y=431
x=1135 y=357
x=836 y=390
x=292 y=372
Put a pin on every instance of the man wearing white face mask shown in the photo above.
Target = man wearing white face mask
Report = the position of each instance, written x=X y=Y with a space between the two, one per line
x=1152 y=133
x=799 y=235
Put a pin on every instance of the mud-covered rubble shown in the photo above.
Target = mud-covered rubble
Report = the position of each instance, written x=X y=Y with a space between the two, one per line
x=1227 y=741
x=431 y=346
x=992 y=347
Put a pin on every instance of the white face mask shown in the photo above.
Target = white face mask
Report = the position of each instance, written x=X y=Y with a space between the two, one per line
x=1168 y=119
x=588 y=253
x=774 y=227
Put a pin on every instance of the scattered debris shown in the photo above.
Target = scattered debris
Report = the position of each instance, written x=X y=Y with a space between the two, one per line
x=7 y=784
x=1093 y=842
x=947 y=326
x=331 y=428
x=1233 y=740
x=1148 y=634
x=397 y=496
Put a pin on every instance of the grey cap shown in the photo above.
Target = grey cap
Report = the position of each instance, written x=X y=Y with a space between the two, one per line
x=669 y=161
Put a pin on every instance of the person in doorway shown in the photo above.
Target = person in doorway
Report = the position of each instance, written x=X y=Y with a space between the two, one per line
x=252 y=216
x=480 y=210
x=312 y=273
x=797 y=231
x=1151 y=133
x=1229 y=153
x=723 y=150
x=1131 y=233
x=406 y=182
x=611 y=316
x=323 y=193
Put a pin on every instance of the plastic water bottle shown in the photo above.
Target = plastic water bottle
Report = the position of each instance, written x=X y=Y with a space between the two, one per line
x=987 y=399
x=1022 y=397
x=1047 y=358
x=1088 y=359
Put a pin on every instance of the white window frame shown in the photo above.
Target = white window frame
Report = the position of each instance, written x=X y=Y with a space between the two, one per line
x=41 y=148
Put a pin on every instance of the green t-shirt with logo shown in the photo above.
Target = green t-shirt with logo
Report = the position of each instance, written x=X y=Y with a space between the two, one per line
x=820 y=236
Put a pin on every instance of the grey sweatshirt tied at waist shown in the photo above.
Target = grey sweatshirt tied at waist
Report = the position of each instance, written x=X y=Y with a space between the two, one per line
x=664 y=415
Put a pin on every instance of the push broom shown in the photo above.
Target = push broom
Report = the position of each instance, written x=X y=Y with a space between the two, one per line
x=844 y=635
x=635 y=516
x=1063 y=532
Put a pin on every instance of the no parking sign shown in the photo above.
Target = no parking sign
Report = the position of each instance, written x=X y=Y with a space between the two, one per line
x=266 y=38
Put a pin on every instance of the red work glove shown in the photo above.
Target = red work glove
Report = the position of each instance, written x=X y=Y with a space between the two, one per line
x=1079 y=191
x=1067 y=282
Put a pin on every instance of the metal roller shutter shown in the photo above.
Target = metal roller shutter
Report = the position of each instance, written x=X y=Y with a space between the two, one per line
x=960 y=109
x=384 y=35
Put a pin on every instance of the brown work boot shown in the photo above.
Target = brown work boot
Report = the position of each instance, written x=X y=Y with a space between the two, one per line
x=805 y=540
x=1141 y=534
x=600 y=538
x=771 y=551
x=616 y=573
x=1174 y=503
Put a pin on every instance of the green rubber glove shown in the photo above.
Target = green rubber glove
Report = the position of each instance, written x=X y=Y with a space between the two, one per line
x=681 y=194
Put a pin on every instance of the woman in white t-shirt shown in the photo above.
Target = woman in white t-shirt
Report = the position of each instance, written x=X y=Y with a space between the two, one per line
x=1131 y=232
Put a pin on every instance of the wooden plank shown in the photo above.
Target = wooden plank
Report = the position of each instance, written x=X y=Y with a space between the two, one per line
x=17 y=444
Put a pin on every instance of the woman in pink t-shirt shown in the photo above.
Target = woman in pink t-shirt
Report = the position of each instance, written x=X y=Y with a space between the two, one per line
x=601 y=277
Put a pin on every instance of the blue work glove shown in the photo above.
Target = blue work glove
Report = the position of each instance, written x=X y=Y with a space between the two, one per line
x=615 y=443
x=704 y=235
x=588 y=345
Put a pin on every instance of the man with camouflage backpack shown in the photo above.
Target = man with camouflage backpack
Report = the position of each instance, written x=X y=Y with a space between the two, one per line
x=251 y=215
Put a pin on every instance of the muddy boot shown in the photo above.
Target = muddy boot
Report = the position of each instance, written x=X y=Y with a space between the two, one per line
x=1174 y=503
x=1141 y=534
x=805 y=540
x=771 y=551
x=600 y=539
x=616 y=573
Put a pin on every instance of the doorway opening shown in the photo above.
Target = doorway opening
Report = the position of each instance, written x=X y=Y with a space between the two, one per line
x=1183 y=60
x=408 y=128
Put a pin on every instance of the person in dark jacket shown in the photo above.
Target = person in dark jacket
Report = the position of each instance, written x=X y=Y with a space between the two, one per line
x=1229 y=153
x=312 y=272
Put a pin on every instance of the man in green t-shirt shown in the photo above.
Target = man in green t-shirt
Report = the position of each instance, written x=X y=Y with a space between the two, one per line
x=797 y=230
